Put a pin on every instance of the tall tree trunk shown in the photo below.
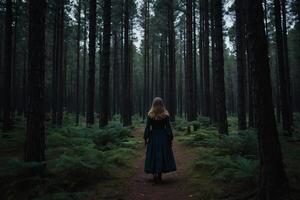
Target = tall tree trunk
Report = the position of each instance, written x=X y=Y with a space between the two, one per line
x=213 y=114
x=91 y=72
x=14 y=89
x=195 y=88
x=7 y=120
x=146 y=56
x=218 y=70
x=122 y=56
x=273 y=183
x=1 y=68
x=249 y=80
x=286 y=63
x=84 y=61
x=180 y=81
x=55 y=64
x=206 y=71
x=61 y=67
x=191 y=111
x=201 y=55
x=105 y=66
x=78 y=62
x=172 y=64
x=278 y=104
x=185 y=102
x=162 y=67
x=284 y=94
x=126 y=85
x=116 y=74
x=152 y=69
x=241 y=71
x=24 y=83
x=35 y=127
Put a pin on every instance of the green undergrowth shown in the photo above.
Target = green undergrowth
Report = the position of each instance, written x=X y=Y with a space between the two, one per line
x=227 y=166
x=77 y=159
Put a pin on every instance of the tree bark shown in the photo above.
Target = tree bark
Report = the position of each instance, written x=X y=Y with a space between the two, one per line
x=162 y=67
x=206 y=71
x=78 y=62
x=286 y=63
x=181 y=80
x=195 y=87
x=126 y=84
x=61 y=64
x=7 y=120
x=84 y=62
x=35 y=127
x=218 y=70
x=191 y=111
x=201 y=55
x=213 y=114
x=146 y=57
x=241 y=72
x=14 y=80
x=116 y=75
x=273 y=183
x=285 y=101
x=54 y=65
x=105 y=66
x=91 y=72
x=172 y=64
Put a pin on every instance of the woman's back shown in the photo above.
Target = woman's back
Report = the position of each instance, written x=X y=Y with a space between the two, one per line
x=158 y=138
x=158 y=123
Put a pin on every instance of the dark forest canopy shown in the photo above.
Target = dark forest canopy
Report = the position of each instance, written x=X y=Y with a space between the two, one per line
x=102 y=60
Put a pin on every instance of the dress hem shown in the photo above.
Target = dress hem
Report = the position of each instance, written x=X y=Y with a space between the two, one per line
x=166 y=171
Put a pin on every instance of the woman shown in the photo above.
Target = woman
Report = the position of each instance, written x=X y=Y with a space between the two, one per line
x=158 y=137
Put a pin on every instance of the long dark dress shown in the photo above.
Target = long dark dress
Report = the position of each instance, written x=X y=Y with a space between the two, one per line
x=159 y=155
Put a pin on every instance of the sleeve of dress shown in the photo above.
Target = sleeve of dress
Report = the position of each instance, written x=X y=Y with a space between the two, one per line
x=147 y=129
x=169 y=129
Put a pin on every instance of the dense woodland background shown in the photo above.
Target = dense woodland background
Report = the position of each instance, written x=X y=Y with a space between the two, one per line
x=71 y=66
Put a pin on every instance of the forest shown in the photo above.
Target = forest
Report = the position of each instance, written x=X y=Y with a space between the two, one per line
x=77 y=79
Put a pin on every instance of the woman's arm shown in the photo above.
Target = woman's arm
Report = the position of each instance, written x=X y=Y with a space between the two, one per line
x=169 y=129
x=147 y=130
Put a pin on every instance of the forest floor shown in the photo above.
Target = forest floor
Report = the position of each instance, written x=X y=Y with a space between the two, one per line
x=174 y=185
x=108 y=164
x=135 y=184
x=201 y=173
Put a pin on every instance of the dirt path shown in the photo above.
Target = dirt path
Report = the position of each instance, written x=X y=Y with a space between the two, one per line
x=174 y=185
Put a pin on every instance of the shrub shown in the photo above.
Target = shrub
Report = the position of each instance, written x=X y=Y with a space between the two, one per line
x=180 y=124
x=204 y=121
x=228 y=167
x=196 y=125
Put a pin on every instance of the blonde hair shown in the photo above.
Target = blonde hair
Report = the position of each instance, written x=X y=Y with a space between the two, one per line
x=158 y=110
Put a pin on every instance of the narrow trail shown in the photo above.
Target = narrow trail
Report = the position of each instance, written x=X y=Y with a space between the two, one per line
x=174 y=185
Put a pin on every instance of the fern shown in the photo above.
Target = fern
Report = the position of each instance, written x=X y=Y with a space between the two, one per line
x=228 y=167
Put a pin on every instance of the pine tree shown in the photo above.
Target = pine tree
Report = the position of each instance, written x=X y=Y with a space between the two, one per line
x=206 y=67
x=35 y=126
x=78 y=61
x=218 y=69
x=190 y=99
x=282 y=67
x=273 y=183
x=241 y=72
x=92 y=65
x=7 y=120
x=126 y=84
x=172 y=64
x=105 y=66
